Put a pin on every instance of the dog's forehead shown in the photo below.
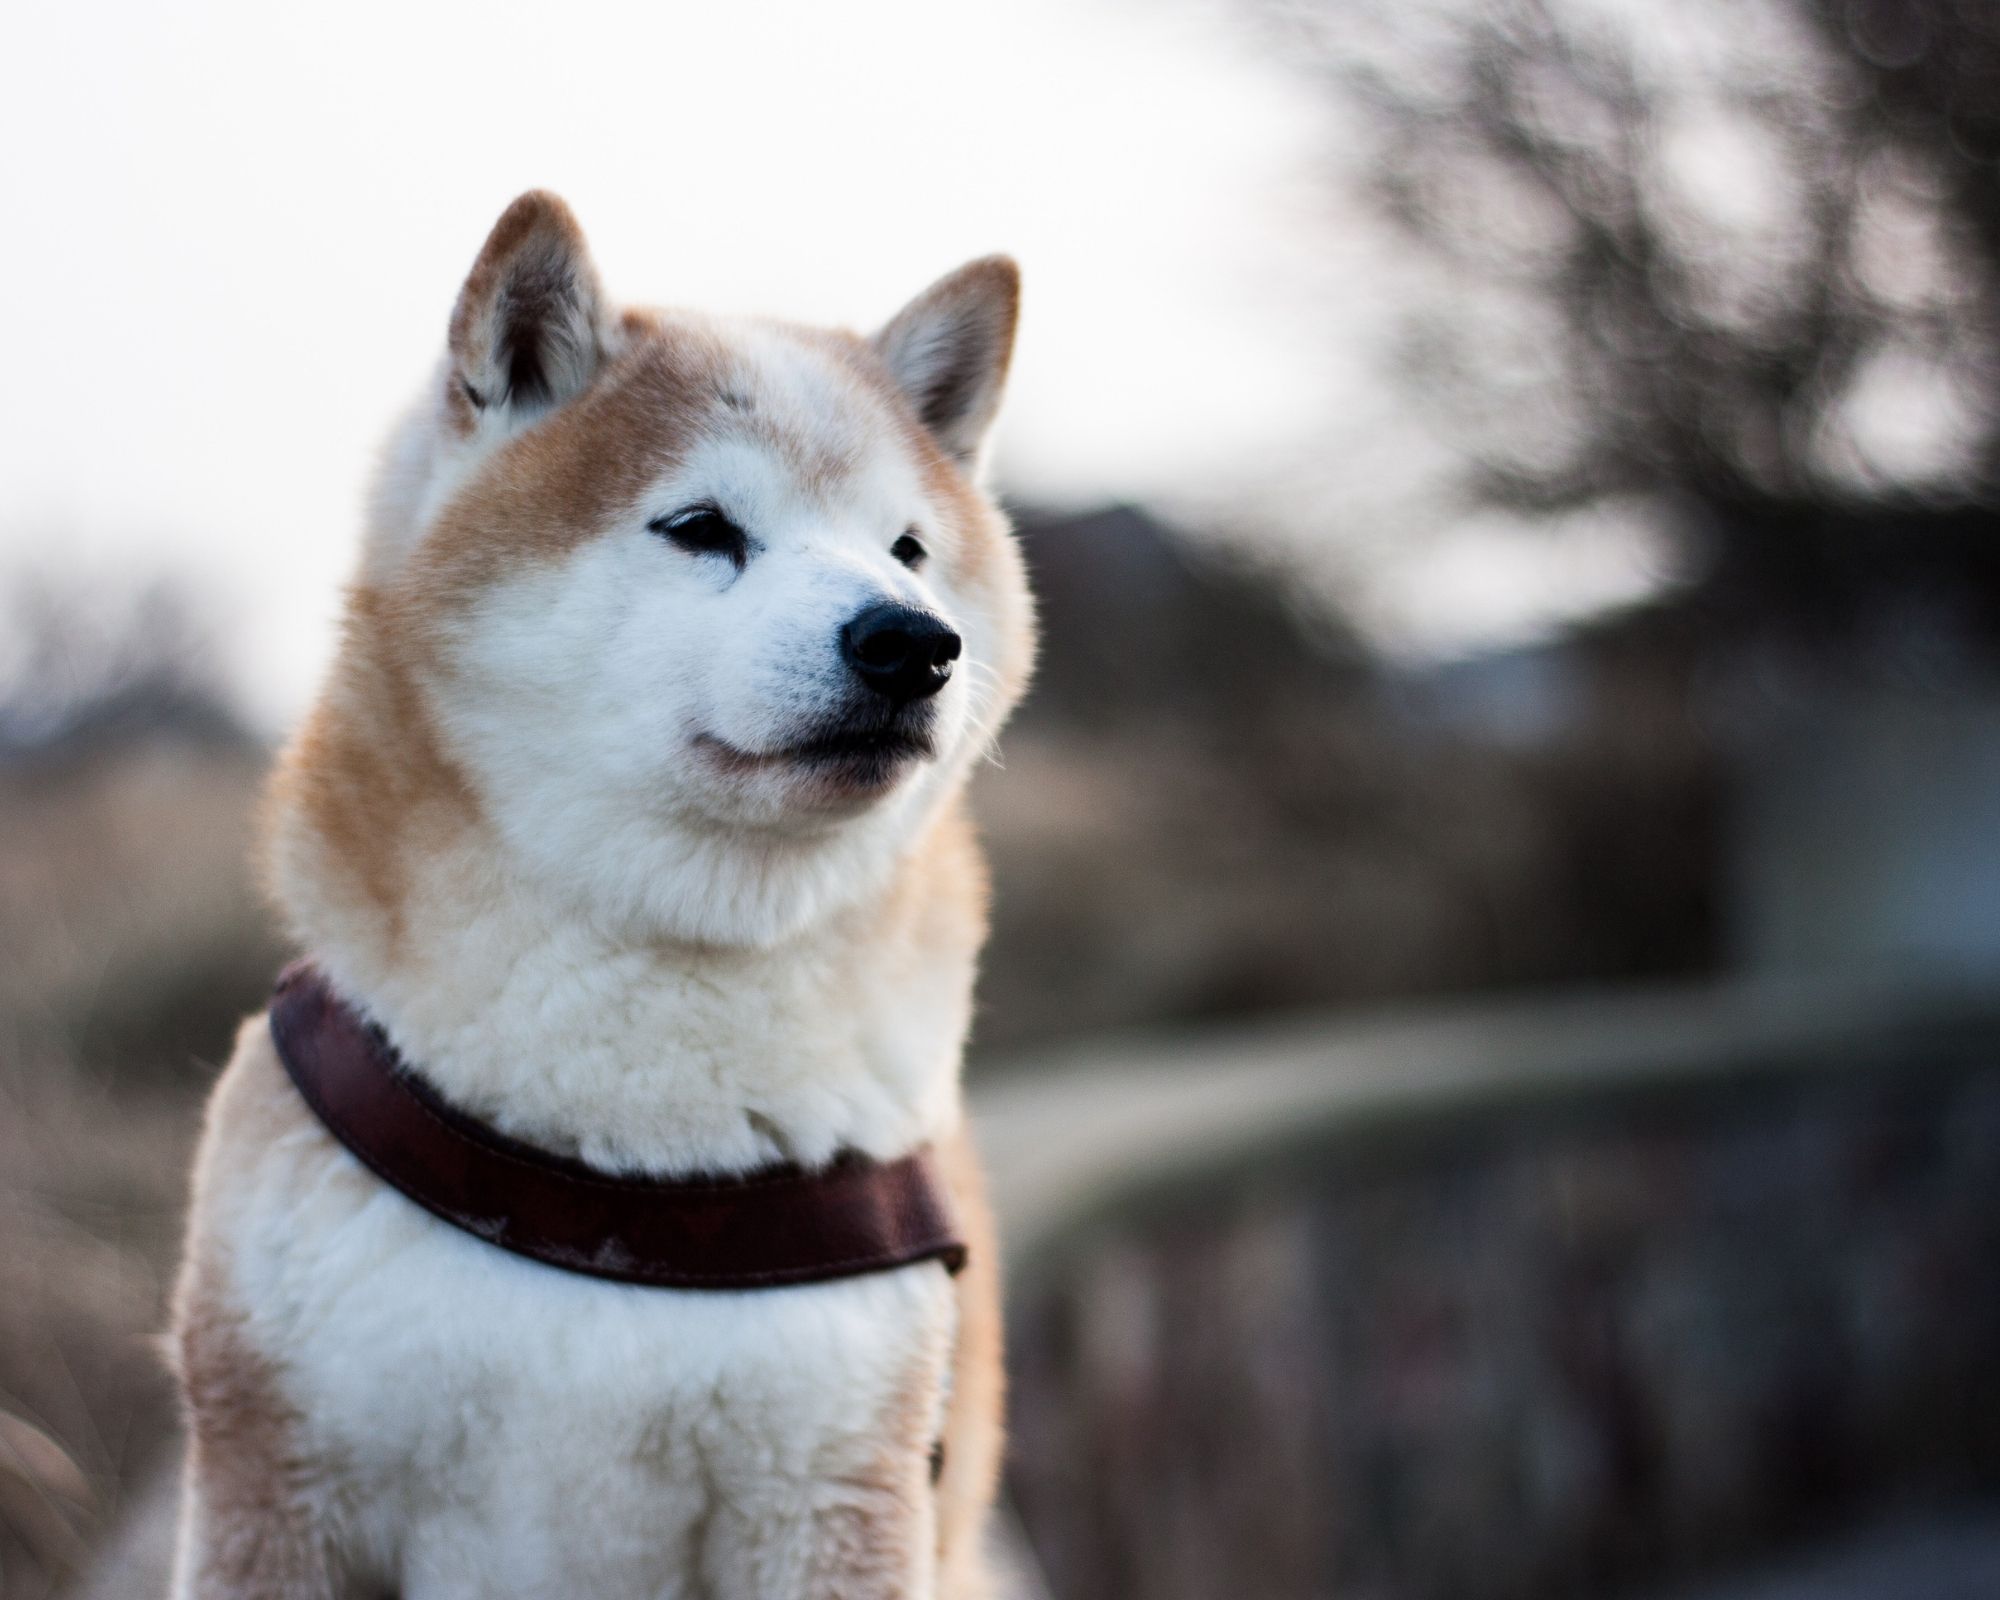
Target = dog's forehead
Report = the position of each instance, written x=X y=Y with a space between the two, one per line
x=804 y=398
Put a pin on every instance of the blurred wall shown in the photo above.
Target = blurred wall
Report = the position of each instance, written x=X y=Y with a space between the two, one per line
x=1557 y=1351
x=1868 y=833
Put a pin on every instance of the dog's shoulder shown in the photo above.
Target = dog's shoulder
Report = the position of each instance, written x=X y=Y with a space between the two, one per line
x=260 y=1145
x=251 y=1108
x=253 y=1105
x=255 y=1121
x=246 y=1435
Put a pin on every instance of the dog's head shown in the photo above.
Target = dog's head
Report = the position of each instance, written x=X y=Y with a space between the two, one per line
x=710 y=615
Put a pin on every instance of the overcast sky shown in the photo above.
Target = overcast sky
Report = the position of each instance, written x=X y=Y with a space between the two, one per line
x=235 y=232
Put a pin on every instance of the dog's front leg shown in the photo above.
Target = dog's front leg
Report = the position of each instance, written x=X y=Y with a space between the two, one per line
x=250 y=1528
x=867 y=1534
x=846 y=1515
x=234 y=1546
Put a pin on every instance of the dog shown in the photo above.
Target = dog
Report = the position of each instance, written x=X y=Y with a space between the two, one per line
x=631 y=817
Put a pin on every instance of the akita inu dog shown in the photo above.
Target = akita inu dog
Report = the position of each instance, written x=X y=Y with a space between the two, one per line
x=632 y=818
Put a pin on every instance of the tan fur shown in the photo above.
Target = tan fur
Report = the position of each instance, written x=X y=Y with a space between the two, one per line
x=947 y=882
x=248 y=1523
x=974 y=1432
x=366 y=780
x=369 y=795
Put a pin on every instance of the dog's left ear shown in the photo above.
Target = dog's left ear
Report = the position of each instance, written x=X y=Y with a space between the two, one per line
x=948 y=351
x=529 y=329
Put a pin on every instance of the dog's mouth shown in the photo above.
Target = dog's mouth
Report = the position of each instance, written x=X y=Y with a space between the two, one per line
x=849 y=756
x=843 y=745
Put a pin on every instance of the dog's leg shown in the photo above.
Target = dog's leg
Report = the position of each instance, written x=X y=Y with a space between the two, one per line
x=248 y=1528
x=852 y=1516
x=232 y=1547
x=866 y=1535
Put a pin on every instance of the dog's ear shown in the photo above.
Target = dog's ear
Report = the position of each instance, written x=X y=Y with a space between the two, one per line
x=530 y=326
x=948 y=351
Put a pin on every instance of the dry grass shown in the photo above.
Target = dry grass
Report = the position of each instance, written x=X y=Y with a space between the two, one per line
x=129 y=936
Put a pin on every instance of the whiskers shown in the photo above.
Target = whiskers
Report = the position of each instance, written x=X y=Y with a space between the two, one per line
x=984 y=692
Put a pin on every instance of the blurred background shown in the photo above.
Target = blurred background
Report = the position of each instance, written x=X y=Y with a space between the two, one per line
x=1491 y=1044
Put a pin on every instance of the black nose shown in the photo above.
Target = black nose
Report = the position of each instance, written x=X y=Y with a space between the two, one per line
x=899 y=651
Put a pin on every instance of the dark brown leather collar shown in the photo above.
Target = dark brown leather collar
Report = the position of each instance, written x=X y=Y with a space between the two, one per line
x=770 y=1228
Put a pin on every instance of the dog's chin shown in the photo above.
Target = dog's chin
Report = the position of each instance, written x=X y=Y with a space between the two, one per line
x=833 y=769
x=853 y=768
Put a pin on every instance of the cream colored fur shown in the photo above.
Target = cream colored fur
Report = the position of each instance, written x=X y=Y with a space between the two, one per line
x=543 y=827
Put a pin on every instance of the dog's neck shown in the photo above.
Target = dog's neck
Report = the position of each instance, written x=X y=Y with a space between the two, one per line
x=637 y=1055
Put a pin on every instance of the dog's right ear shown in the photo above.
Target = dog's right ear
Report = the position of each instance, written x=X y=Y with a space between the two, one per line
x=531 y=323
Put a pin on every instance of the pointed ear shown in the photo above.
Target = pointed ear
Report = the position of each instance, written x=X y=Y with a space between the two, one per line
x=530 y=326
x=948 y=351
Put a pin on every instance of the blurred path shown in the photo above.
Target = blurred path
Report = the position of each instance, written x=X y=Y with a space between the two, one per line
x=1073 y=1133
x=1944 y=1560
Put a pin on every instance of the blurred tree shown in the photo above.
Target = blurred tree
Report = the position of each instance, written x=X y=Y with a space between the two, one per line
x=1736 y=262
x=84 y=663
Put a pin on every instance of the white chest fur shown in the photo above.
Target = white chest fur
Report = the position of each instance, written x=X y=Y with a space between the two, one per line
x=481 y=1425
x=664 y=1059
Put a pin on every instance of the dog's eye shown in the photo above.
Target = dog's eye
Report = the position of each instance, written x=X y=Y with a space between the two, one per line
x=704 y=531
x=909 y=550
